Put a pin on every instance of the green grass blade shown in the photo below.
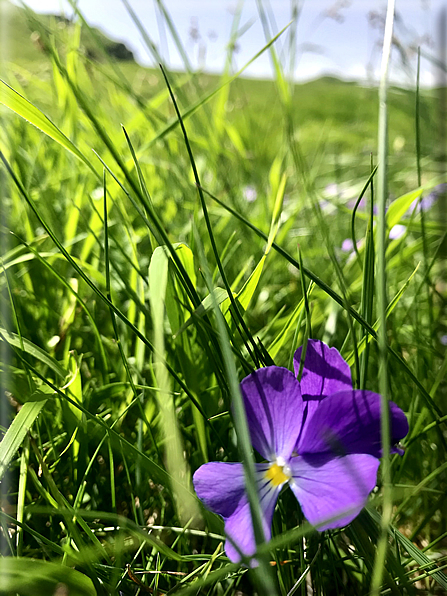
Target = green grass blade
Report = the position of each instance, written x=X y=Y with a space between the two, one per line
x=21 y=106
x=382 y=193
x=16 y=433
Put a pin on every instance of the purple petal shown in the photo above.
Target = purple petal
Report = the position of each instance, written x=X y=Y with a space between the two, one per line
x=324 y=371
x=349 y=422
x=239 y=527
x=333 y=491
x=274 y=409
x=221 y=487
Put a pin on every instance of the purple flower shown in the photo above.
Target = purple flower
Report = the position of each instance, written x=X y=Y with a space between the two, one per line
x=318 y=435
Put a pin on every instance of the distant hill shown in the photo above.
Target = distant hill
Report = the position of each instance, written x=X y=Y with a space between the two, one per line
x=21 y=43
x=342 y=114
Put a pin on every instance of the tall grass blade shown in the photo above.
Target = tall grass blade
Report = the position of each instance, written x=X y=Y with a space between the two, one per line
x=382 y=193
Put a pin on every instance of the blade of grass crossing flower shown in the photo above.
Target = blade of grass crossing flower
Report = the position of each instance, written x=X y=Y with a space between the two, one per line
x=382 y=546
x=263 y=572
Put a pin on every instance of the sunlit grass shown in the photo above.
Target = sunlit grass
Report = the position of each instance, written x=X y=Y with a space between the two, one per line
x=146 y=269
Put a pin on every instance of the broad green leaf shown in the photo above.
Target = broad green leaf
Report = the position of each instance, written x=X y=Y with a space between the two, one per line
x=29 y=577
x=176 y=462
x=74 y=382
x=172 y=294
x=186 y=256
x=288 y=328
x=246 y=294
x=158 y=279
x=16 y=433
x=21 y=106
x=400 y=206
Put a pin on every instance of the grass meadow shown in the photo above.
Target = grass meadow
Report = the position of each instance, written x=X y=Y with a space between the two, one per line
x=163 y=235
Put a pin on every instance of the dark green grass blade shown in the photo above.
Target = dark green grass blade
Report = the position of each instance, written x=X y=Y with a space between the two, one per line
x=239 y=319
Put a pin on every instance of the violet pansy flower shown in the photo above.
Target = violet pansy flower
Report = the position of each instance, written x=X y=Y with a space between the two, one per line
x=319 y=436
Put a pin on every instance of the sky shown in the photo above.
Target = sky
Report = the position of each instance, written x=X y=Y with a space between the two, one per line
x=335 y=37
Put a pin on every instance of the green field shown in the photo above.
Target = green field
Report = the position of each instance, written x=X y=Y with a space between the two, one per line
x=147 y=269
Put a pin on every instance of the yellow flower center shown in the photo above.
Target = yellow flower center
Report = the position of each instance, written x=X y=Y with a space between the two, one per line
x=276 y=475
